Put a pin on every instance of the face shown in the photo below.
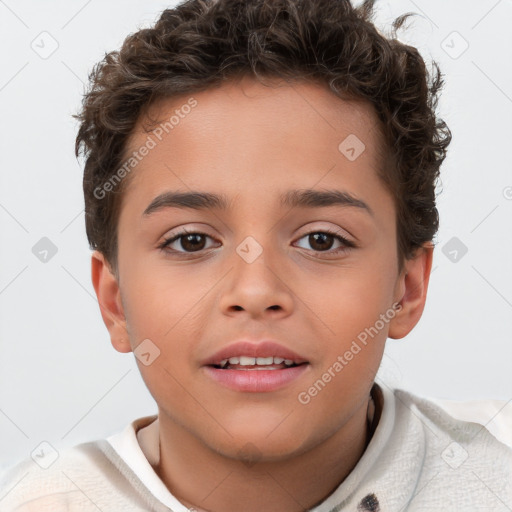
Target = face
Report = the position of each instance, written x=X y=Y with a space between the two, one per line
x=260 y=263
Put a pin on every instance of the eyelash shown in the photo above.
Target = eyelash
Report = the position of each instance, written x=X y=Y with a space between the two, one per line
x=347 y=243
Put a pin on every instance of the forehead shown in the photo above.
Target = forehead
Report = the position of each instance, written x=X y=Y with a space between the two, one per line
x=248 y=134
x=277 y=101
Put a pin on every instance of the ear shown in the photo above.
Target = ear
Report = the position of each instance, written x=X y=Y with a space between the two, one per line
x=411 y=291
x=109 y=298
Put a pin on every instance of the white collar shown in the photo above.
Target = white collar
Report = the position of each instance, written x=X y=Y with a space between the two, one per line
x=138 y=446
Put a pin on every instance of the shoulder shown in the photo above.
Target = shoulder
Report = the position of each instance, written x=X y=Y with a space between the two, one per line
x=49 y=479
x=479 y=420
x=494 y=415
x=462 y=461
x=86 y=477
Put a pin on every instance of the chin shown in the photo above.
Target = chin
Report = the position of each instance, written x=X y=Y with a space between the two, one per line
x=252 y=449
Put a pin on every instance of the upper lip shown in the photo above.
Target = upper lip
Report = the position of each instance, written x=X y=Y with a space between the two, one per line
x=253 y=349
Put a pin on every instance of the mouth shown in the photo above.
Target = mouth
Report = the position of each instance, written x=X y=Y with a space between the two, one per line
x=255 y=367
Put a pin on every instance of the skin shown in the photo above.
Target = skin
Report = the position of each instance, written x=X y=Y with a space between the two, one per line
x=223 y=450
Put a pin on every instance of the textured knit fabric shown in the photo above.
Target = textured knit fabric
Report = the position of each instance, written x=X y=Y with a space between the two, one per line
x=420 y=458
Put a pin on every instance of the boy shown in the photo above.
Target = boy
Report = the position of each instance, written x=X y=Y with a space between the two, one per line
x=260 y=197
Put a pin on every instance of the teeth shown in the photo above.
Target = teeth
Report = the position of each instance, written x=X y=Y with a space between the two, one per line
x=252 y=361
x=264 y=361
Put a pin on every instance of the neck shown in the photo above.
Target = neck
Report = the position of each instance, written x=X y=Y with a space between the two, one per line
x=204 y=479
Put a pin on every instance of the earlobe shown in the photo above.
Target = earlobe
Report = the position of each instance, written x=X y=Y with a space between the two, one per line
x=412 y=285
x=109 y=299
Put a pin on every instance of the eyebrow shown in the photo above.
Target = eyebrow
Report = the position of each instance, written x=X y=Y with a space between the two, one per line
x=300 y=198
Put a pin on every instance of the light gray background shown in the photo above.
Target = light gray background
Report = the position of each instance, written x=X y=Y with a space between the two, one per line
x=61 y=380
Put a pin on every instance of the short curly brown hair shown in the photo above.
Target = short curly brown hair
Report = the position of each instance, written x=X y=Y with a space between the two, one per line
x=199 y=44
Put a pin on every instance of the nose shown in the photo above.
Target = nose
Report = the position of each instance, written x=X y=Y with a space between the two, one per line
x=259 y=288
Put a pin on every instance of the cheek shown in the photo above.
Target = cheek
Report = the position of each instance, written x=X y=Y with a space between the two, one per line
x=351 y=301
x=353 y=347
x=165 y=315
x=354 y=310
x=159 y=301
x=167 y=308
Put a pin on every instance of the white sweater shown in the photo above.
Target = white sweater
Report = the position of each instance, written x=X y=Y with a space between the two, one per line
x=420 y=458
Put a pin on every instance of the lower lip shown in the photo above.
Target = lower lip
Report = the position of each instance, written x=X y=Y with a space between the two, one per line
x=255 y=381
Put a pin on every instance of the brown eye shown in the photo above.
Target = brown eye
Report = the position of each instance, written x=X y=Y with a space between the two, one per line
x=185 y=242
x=323 y=241
x=193 y=242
